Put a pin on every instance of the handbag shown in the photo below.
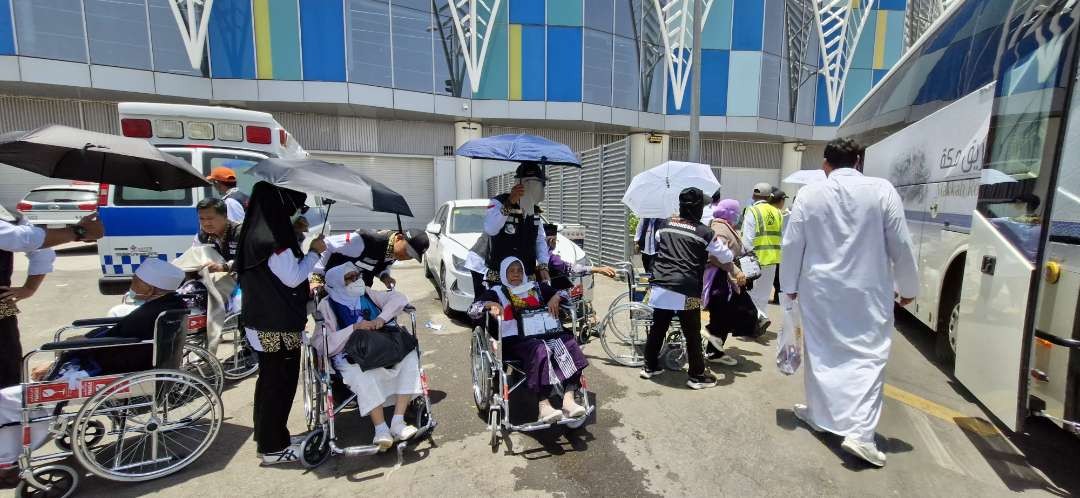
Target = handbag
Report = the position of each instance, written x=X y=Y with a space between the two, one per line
x=383 y=348
x=750 y=266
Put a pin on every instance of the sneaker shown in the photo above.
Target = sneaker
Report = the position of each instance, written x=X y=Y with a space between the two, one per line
x=721 y=358
x=763 y=325
x=864 y=450
x=648 y=374
x=573 y=410
x=288 y=455
x=803 y=414
x=404 y=432
x=716 y=342
x=703 y=381
x=383 y=439
x=549 y=415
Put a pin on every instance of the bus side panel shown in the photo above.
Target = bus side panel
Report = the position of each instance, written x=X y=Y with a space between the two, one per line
x=947 y=221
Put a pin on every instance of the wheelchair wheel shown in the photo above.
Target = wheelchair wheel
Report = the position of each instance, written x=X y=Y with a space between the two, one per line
x=93 y=435
x=240 y=361
x=418 y=413
x=200 y=363
x=482 y=371
x=673 y=356
x=159 y=422
x=60 y=481
x=623 y=333
x=314 y=392
x=315 y=449
x=493 y=426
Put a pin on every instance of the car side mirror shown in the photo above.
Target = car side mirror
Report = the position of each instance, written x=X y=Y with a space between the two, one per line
x=434 y=228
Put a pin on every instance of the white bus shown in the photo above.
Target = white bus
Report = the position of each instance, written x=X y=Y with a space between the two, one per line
x=978 y=127
x=141 y=224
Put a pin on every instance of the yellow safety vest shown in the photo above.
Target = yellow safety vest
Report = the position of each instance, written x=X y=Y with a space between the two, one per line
x=768 y=222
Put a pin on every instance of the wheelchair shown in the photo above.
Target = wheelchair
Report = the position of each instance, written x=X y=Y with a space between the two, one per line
x=624 y=329
x=126 y=427
x=495 y=379
x=321 y=408
x=577 y=312
x=235 y=359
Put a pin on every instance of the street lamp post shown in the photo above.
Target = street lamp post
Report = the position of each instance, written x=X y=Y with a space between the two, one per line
x=695 y=88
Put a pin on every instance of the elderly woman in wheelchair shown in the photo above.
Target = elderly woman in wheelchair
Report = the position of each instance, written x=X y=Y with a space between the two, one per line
x=352 y=309
x=525 y=312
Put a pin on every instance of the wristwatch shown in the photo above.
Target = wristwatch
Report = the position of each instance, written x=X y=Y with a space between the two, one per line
x=80 y=232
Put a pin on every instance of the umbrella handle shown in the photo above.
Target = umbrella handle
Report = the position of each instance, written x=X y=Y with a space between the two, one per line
x=327 y=220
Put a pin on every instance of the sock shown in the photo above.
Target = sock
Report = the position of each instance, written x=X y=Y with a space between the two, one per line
x=381 y=428
x=397 y=421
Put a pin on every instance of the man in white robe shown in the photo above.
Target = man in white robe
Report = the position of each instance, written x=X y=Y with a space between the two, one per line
x=847 y=254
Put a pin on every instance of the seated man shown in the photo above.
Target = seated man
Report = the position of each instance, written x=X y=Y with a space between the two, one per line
x=216 y=230
x=560 y=270
x=525 y=311
x=153 y=291
x=351 y=308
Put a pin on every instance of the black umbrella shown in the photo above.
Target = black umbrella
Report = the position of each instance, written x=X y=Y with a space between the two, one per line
x=69 y=153
x=331 y=181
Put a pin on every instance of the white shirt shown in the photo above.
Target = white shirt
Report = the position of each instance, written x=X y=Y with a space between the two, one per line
x=494 y=220
x=667 y=299
x=21 y=236
x=650 y=242
x=234 y=210
x=292 y=272
x=346 y=244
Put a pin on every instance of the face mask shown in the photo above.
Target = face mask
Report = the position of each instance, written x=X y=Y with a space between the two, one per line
x=131 y=298
x=534 y=194
x=294 y=218
x=356 y=289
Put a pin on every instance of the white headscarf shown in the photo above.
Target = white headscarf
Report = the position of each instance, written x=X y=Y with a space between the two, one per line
x=345 y=294
x=521 y=290
x=160 y=274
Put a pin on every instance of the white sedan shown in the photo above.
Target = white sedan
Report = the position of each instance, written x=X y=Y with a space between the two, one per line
x=456 y=228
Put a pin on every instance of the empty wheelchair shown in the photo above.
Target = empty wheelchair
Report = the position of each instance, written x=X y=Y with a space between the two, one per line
x=125 y=427
x=497 y=377
x=577 y=312
x=322 y=405
x=235 y=358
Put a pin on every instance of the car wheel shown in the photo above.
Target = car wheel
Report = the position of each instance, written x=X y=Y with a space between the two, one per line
x=427 y=270
x=444 y=293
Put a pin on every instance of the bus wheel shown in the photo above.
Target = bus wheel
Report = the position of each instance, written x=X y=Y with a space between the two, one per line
x=948 y=322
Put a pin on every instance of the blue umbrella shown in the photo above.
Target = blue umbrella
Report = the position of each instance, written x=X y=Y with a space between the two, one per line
x=519 y=148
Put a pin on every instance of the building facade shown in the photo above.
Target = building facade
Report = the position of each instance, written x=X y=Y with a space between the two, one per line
x=393 y=84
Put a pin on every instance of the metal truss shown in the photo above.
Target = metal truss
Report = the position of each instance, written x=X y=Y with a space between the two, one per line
x=473 y=22
x=677 y=18
x=920 y=15
x=839 y=26
x=192 y=22
x=650 y=51
x=451 y=48
x=798 y=22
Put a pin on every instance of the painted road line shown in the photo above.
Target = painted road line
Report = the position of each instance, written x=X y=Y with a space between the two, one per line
x=968 y=423
x=937 y=449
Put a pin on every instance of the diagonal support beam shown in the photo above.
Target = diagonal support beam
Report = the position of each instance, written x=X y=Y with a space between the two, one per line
x=676 y=22
x=839 y=26
x=192 y=23
x=473 y=22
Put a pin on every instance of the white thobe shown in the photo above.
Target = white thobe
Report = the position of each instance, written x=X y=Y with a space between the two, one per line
x=846 y=249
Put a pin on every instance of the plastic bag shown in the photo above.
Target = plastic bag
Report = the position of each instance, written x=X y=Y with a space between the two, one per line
x=789 y=343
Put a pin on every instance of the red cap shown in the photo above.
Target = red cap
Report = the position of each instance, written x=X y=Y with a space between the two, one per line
x=222 y=174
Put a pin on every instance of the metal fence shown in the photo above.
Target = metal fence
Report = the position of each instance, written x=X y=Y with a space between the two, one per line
x=589 y=196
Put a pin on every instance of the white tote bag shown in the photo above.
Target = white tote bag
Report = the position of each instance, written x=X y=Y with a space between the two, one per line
x=789 y=344
x=749 y=265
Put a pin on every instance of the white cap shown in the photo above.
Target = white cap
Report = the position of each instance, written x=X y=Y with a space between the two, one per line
x=160 y=274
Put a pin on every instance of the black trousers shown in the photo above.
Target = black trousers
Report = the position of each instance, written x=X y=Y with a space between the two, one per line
x=275 y=389
x=690 y=320
x=647 y=261
x=10 y=352
x=477 y=284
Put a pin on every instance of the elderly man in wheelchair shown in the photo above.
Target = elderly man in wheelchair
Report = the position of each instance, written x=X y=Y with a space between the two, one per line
x=525 y=314
x=374 y=356
x=114 y=397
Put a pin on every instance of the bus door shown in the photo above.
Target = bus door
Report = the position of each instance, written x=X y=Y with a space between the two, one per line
x=996 y=332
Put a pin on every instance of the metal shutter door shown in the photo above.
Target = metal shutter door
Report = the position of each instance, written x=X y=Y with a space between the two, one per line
x=614 y=238
x=412 y=177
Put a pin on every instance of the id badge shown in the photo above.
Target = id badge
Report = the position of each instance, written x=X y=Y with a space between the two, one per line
x=539 y=323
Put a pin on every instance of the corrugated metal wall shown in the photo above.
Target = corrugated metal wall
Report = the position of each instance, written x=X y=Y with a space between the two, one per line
x=577 y=140
x=812 y=156
x=352 y=134
x=731 y=153
x=589 y=196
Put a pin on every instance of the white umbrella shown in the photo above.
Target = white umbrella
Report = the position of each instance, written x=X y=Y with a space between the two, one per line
x=806 y=177
x=654 y=193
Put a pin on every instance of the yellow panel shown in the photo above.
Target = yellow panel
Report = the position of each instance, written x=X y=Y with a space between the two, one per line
x=882 y=29
x=515 y=62
x=264 y=64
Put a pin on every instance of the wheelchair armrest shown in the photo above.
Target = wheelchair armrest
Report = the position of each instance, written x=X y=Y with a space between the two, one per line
x=409 y=309
x=94 y=322
x=90 y=343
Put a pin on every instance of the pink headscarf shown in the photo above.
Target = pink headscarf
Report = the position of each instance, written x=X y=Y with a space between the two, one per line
x=728 y=210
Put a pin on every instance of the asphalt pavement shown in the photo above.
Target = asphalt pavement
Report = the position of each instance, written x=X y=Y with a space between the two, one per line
x=648 y=438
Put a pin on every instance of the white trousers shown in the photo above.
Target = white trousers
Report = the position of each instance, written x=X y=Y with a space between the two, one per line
x=762 y=290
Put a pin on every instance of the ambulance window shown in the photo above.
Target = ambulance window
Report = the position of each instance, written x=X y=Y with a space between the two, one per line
x=237 y=162
x=130 y=196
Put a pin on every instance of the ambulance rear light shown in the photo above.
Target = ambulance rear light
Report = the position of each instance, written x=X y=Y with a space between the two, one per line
x=168 y=128
x=230 y=132
x=200 y=130
x=258 y=135
x=103 y=194
x=137 y=128
x=283 y=136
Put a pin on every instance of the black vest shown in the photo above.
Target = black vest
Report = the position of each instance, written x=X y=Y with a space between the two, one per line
x=240 y=197
x=7 y=263
x=516 y=238
x=228 y=245
x=268 y=305
x=372 y=261
x=681 y=256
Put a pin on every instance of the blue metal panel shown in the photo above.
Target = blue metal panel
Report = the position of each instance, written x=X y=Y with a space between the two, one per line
x=900 y=5
x=821 y=111
x=746 y=28
x=532 y=61
x=149 y=221
x=232 y=40
x=7 y=32
x=685 y=104
x=322 y=35
x=564 y=71
x=527 y=11
x=714 y=82
x=743 y=92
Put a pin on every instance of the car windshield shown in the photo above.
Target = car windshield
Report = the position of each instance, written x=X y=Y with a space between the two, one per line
x=61 y=195
x=467 y=220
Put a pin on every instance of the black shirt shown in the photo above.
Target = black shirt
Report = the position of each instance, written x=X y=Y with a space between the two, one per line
x=681 y=256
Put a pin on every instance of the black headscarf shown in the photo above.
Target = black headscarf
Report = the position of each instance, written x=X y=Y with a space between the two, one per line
x=267 y=227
